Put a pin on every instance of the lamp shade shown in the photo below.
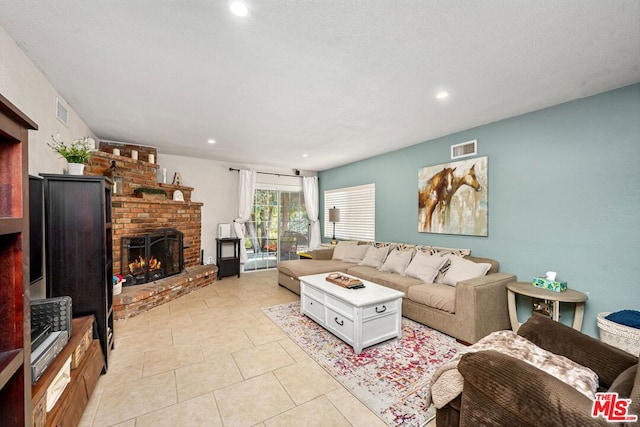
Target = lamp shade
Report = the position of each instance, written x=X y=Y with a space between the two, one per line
x=334 y=215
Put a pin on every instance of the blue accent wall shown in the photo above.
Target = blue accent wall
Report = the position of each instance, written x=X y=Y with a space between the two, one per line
x=564 y=195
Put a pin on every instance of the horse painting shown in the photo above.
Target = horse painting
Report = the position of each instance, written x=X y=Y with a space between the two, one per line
x=438 y=186
x=469 y=179
x=442 y=205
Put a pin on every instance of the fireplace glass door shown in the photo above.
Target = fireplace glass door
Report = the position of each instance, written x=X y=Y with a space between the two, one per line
x=152 y=257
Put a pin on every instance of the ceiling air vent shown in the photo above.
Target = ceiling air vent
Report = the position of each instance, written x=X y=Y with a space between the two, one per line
x=465 y=149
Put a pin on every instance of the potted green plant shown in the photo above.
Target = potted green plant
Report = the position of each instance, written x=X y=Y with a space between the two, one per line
x=76 y=154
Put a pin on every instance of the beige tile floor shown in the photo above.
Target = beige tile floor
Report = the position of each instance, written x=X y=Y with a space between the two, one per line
x=212 y=358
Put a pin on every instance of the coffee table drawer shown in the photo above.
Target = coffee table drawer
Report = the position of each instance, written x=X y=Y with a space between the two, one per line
x=381 y=309
x=313 y=292
x=340 y=306
x=314 y=308
x=340 y=325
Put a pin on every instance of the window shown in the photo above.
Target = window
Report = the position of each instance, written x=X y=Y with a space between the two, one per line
x=357 y=212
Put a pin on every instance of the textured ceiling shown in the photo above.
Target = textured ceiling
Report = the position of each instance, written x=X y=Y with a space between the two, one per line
x=338 y=80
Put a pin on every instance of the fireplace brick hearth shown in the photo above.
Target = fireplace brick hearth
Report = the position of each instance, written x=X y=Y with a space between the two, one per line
x=137 y=299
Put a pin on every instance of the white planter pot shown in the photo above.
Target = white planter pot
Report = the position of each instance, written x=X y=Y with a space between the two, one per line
x=75 y=168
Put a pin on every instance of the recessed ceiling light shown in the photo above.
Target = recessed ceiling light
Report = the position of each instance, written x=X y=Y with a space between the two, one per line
x=239 y=8
x=305 y=155
x=442 y=94
x=211 y=141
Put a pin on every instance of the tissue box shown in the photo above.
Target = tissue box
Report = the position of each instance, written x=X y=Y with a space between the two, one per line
x=551 y=285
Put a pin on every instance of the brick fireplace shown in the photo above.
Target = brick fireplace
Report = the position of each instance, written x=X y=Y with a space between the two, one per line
x=143 y=214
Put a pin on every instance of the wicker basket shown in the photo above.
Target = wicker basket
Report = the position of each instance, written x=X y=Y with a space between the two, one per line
x=617 y=335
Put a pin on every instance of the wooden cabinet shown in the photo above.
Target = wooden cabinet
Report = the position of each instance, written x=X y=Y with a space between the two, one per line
x=15 y=336
x=228 y=257
x=79 y=255
x=86 y=365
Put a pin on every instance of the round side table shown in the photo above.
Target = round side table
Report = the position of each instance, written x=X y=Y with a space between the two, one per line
x=527 y=288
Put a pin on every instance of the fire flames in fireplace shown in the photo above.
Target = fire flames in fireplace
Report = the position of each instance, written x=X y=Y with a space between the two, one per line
x=139 y=265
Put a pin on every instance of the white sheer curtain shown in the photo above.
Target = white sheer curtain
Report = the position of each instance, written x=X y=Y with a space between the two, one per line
x=311 y=201
x=246 y=188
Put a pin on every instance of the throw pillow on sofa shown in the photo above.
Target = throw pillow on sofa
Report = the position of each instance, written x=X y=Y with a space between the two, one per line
x=355 y=253
x=341 y=248
x=375 y=256
x=397 y=261
x=441 y=251
x=462 y=269
x=425 y=267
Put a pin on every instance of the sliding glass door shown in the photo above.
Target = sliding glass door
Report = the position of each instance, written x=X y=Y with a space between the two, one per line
x=278 y=228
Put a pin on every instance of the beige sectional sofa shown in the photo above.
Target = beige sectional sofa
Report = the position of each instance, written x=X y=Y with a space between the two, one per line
x=467 y=310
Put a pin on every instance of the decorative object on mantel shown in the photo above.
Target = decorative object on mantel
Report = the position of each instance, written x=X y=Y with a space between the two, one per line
x=76 y=154
x=150 y=193
x=152 y=158
x=178 y=196
x=134 y=154
x=116 y=178
x=164 y=175
x=176 y=179
x=116 y=151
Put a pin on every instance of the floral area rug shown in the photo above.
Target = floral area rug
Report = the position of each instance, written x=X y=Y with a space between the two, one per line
x=391 y=378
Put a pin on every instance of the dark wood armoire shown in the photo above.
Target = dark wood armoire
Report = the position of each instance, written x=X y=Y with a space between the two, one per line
x=79 y=255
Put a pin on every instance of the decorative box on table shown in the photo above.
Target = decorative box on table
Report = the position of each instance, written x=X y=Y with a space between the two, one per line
x=552 y=285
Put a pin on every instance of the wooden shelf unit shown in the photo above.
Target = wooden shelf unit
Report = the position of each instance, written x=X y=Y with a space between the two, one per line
x=15 y=339
x=70 y=406
x=228 y=265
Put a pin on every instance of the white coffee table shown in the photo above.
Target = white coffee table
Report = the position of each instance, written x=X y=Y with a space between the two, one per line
x=359 y=317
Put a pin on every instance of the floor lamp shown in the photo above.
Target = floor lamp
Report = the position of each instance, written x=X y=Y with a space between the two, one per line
x=334 y=216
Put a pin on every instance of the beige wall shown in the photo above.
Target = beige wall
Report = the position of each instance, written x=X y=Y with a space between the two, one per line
x=22 y=83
